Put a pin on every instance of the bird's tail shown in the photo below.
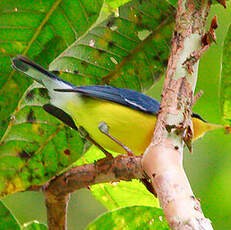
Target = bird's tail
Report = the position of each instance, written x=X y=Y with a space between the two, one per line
x=45 y=78
x=39 y=74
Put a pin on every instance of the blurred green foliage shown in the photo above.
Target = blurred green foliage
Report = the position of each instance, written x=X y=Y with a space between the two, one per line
x=126 y=49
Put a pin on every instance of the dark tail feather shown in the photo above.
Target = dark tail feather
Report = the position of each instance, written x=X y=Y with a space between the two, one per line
x=37 y=72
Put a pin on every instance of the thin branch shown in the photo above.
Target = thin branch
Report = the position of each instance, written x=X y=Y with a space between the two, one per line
x=104 y=170
x=197 y=97
x=163 y=159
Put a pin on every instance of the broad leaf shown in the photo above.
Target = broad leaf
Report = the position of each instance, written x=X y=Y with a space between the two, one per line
x=42 y=31
x=116 y=3
x=36 y=146
x=118 y=194
x=7 y=220
x=31 y=28
x=126 y=50
x=34 y=225
x=136 y=217
x=121 y=194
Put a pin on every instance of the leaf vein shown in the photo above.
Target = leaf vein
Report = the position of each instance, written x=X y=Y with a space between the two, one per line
x=91 y=63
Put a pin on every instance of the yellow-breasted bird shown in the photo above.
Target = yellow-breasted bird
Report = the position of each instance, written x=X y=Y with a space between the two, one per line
x=115 y=118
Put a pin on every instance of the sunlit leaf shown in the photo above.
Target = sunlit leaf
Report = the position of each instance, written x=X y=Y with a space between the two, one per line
x=121 y=194
x=116 y=3
x=117 y=194
x=113 y=53
x=31 y=28
x=136 y=217
x=34 y=225
x=7 y=220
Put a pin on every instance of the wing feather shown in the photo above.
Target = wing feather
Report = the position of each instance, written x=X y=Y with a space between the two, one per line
x=127 y=97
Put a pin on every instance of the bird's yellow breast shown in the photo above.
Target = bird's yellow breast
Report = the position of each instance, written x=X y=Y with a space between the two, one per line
x=132 y=128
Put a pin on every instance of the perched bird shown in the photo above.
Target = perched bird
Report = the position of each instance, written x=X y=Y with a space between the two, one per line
x=116 y=119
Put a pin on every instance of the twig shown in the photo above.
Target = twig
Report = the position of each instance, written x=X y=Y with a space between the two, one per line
x=197 y=97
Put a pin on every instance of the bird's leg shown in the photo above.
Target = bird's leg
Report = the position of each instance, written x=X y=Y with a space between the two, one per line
x=84 y=134
x=103 y=128
x=148 y=186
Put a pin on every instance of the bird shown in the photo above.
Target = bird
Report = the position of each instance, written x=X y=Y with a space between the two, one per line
x=115 y=119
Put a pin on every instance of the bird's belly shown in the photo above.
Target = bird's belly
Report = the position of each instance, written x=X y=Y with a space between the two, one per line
x=132 y=128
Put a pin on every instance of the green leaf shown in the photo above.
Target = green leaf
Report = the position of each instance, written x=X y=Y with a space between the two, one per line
x=116 y=3
x=173 y=2
x=124 y=193
x=31 y=28
x=112 y=52
x=41 y=31
x=226 y=80
x=117 y=194
x=136 y=217
x=7 y=220
x=110 y=7
x=34 y=225
x=36 y=146
x=92 y=154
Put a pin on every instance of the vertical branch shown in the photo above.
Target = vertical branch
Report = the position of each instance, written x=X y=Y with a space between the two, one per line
x=56 y=210
x=162 y=160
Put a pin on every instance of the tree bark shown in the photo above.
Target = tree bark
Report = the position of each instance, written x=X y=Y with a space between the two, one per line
x=56 y=210
x=163 y=159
